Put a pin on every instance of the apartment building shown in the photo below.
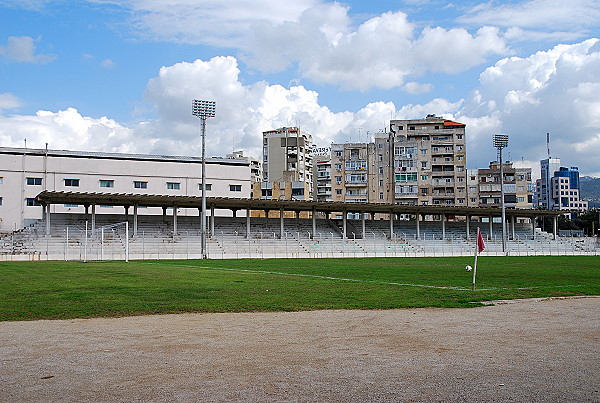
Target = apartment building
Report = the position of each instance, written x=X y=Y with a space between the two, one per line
x=419 y=162
x=518 y=190
x=287 y=164
x=353 y=173
x=287 y=155
x=425 y=162
x=322 y=174
x=26 y=172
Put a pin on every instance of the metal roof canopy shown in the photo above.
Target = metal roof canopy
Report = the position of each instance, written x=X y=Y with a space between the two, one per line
x=128 y=199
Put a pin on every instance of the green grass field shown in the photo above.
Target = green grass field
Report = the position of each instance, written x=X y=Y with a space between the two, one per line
x=62 y=290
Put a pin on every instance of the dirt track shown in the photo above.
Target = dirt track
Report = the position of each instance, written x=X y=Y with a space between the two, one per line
x=527 y=351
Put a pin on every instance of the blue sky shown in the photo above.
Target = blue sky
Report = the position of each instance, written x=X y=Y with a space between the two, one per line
x=120 y=75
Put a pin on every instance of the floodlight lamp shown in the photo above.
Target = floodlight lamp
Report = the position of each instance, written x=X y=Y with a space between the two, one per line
x=500 y=140
x=203 y=109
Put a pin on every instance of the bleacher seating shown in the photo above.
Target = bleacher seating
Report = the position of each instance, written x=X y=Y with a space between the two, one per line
x=155 y=239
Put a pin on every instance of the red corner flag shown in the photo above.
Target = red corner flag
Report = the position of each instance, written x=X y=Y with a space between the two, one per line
x=480 y=243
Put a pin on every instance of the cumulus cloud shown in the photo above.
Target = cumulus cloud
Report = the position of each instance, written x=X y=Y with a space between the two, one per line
x=67 y=129
x=380 y=53
x=243 y=113
x=23 y=49
x=320 y=39
x=553 y=91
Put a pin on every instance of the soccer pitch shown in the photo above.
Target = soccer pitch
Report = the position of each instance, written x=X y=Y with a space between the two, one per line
x=64 y=290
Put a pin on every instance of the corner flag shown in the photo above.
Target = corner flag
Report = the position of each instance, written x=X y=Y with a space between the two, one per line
x=478 y=249
x=480 y=243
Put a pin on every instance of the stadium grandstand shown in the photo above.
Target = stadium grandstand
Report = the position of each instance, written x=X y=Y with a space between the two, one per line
x=265 y=230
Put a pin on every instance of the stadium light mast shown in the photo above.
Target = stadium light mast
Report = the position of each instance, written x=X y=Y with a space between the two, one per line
x=203 y=110
x=500 y=142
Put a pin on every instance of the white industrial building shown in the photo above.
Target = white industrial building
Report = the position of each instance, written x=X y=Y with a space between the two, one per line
x=25 y=172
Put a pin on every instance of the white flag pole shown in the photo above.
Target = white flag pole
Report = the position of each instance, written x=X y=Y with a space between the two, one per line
x=474 y=268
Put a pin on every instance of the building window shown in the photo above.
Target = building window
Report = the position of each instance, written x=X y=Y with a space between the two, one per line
x=380 y=196
x=34 y=181
x=356 y=165
x=411 y=128
x=70 y=205
x=235 y=188
x=208 y=187
x=423 y=164
x=104 y=183
x=380 y=182
x=0 y=201
x=338 y=179
x=338 y=153
x=31 y=201
x=173 y=185
x=423 y=177
x=338 y=167
x=381 y=170
x=72 y=182
x=407 y=177
x=140 y=185
x=424 y=151
x=1 y=180
x=338 y=191
x=105 y=206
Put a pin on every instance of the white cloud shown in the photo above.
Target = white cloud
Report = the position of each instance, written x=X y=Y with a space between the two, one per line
x=22 y=49
x=9 y=101
x=210 y=22
x=107 y=64
x=415 y=88
x=540 y=14
x=380 y=53
x=67 y=130
x=553 y=91
x=318 y=38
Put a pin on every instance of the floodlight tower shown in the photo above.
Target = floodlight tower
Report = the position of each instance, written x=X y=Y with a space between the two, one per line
x=500 y=142
x=203 y=110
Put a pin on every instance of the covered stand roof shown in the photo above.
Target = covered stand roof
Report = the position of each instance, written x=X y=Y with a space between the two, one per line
x=129 y=199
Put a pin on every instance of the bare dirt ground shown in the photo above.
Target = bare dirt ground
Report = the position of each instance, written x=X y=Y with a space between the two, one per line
x=533 y=351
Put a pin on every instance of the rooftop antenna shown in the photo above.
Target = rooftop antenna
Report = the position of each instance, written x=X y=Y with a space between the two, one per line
x=548 y=143
x=25 y=140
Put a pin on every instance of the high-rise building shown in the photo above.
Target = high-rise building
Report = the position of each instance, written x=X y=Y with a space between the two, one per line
x=424 y=162
x=558 y=188
x=419 y=162
x=544 y=197
x=287 y=158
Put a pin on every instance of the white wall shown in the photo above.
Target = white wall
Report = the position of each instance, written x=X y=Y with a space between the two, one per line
x=16 y=165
